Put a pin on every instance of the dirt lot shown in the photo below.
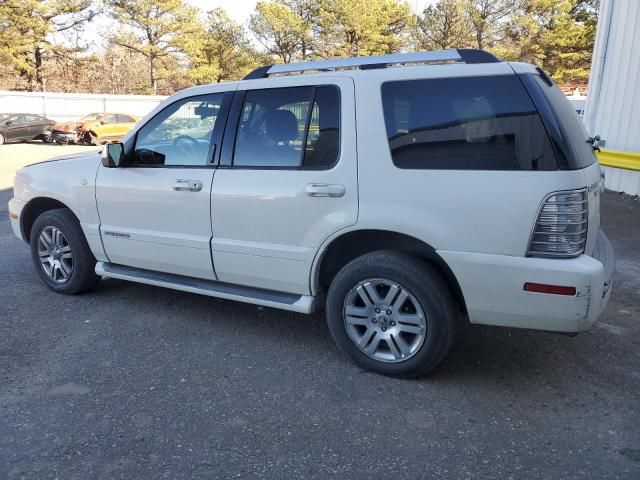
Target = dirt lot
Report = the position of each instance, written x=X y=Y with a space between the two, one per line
x=132 y=381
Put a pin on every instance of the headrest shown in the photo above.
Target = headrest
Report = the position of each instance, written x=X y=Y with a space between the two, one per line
x=281 y=126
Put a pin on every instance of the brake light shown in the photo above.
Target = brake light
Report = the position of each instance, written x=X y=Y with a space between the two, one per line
x=561 y=226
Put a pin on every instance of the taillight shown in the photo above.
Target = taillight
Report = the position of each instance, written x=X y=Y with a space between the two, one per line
x=561 y=226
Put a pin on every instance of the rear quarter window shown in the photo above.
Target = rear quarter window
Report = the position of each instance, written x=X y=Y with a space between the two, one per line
x=573 y=131
x=465 y=123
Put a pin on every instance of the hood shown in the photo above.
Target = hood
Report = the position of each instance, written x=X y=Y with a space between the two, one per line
x=71 y=156
x=89 y=124
x=66 y=127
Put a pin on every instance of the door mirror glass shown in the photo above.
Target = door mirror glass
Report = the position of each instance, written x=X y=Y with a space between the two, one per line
x=112 y=155
x=8 y=122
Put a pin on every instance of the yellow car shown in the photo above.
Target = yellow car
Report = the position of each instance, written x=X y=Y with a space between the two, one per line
x=94 y=128
x=111 y=127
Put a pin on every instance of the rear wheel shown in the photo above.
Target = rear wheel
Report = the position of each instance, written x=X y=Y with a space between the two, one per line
x=61 y=254
x=392 y=314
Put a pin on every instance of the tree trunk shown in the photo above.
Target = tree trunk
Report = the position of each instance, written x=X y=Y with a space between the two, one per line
x=38 y=66
x=152 y=75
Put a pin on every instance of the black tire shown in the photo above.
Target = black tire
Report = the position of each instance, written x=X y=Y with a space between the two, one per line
x=2 y=139
x=425 y=285
x=82 y=276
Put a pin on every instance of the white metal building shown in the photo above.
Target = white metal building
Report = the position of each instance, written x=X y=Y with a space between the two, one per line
x=69 y=106
x=613 y=105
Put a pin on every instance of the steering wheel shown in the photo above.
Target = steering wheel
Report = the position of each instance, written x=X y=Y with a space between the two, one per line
x=188 y=145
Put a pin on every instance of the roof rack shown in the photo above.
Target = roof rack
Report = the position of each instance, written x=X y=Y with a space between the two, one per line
x=460 y=55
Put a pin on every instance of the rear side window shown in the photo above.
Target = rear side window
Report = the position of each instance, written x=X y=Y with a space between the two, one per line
x=465 y=123
x=571 y=126
x=289 y=128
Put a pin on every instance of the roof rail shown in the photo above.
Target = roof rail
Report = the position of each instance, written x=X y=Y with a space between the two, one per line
x=461 y=55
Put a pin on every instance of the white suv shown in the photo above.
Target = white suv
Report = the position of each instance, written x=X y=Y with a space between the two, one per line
x=397 y=192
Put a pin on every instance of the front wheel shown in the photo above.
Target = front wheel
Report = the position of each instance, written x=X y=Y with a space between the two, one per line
x=2 y=139
x=392 y=314
x=60 y=252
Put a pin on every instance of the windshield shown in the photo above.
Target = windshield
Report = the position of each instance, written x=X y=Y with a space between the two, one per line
x=4 y=116
x=91 y=116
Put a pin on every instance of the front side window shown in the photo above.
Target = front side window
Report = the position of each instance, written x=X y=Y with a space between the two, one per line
x=289 y=128
x=181 y=134
x=465 y=123
x=125 y=119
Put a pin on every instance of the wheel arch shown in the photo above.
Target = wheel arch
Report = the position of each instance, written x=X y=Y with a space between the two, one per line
x=352 y=244
x=36 y=207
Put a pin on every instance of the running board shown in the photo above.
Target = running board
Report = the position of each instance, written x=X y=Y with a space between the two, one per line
x=258 y=296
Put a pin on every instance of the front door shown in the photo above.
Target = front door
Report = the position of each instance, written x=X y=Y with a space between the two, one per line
x=155 y=210
x=17 y=128
x=287 y=180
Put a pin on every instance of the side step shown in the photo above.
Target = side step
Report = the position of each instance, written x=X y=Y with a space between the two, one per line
x=258 y=296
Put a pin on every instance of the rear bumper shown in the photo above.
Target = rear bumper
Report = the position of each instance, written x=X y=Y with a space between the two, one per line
x=493 y=288
x=15 y=211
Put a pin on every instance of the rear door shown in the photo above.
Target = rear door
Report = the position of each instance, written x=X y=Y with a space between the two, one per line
x=37 y=125
x=287 y=180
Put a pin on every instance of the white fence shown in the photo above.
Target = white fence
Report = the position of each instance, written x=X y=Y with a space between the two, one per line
x=69 y=106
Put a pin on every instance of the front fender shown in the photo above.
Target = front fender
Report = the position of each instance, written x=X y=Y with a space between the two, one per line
x=70 y=181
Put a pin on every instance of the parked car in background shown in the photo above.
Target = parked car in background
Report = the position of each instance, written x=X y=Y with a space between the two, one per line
x=110 y=129
x=95 y=128
x=18 y=127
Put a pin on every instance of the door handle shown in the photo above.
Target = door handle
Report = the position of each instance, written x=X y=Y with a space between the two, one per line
x=324 y=190
x=188 y=185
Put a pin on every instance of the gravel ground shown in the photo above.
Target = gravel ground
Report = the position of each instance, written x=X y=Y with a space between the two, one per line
x=133 y=381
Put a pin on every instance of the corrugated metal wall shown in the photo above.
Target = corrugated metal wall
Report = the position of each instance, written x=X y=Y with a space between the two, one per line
x=613 y=105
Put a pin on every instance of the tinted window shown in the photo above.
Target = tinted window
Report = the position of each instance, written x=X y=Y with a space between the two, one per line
x=275 y=125
x=110 y=119
x=466 y=123
x=272 y=127
x=572 y=128
x=323 y=137
x=181 y=133
x=125 y=119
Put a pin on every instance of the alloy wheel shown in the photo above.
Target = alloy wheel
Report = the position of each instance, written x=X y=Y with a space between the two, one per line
x=384 y=320
x=54 y=252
